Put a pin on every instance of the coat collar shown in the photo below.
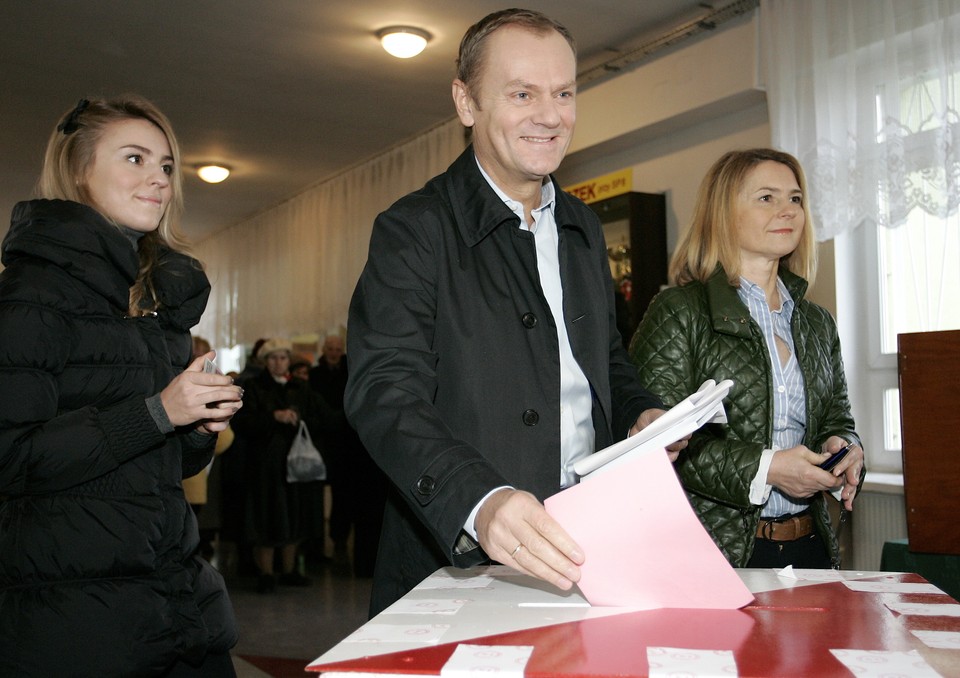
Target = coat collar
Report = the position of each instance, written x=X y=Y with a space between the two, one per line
x=728 y=314
x=77 y=239
x=477 y=208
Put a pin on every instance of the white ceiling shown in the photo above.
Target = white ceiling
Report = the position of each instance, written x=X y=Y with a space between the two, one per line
x=287 y=92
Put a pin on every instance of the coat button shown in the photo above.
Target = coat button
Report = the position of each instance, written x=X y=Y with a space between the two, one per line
x=426 y=485
x=529 y=320
x=531 y=418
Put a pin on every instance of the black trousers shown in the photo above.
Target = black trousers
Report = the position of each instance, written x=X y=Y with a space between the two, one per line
x=808 y=552
x=213 y=666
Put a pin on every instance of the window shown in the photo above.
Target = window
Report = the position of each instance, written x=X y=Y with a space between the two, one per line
x=919 y=261
x=919 y=269
x=904 y=278
x=865 y=94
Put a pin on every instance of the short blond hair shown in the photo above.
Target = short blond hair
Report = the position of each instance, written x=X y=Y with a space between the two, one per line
x=711 y=239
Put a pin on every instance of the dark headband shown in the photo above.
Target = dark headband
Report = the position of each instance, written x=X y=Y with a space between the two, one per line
x=71 y=123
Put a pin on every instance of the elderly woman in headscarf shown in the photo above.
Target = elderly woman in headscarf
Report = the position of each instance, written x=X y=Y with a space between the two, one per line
x=280 y=514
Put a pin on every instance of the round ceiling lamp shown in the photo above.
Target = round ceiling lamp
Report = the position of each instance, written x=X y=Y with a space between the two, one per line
x=403 y=42
x=213 y=174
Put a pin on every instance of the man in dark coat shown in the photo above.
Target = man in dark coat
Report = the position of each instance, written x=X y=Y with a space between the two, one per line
x=485 y=357
x=358 y=487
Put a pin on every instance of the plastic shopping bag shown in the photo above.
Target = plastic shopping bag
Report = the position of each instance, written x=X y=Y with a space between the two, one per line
x=304 y=463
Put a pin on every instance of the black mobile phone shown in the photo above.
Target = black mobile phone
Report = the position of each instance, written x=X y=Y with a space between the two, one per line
x=836 y=457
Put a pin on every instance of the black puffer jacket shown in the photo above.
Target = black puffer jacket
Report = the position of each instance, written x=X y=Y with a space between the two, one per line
x=97 y=575
x=703 y=331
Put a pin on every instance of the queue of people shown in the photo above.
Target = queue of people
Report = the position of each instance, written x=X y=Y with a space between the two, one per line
x=485 y=361
x=278 y=514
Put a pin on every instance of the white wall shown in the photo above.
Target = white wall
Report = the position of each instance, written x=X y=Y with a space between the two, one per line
x=675 y=163
x=669 y=119
x=672 y=117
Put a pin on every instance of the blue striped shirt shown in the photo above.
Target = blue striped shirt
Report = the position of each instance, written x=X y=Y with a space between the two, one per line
x=789 y=405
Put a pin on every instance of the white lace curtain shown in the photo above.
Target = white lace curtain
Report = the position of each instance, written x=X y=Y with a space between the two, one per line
x=866 y=94
x=291 y=270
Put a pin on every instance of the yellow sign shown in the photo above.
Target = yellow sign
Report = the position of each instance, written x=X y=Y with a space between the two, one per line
x=603 y=187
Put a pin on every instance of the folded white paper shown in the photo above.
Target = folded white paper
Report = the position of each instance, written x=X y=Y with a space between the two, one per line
x=704 y=406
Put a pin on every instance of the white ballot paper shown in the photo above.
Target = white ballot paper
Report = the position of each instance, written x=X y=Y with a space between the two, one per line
x=703 y=407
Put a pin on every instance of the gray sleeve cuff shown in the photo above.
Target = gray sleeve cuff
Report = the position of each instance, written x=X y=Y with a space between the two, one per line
x=126 y=429
x=155 y=407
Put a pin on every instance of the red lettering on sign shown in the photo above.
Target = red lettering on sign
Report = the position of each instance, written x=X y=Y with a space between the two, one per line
x=584 y=192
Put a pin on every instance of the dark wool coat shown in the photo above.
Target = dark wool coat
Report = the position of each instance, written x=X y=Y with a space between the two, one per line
x=703 y=331
x=277 y=512
x=455 y=376
x=97 y=573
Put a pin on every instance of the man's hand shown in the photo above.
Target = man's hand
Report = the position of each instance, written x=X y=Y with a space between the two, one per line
x=646 y=418
x=515 y=529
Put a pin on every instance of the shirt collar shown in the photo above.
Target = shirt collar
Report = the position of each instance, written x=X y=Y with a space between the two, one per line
x=749 y=289
x=548 y=196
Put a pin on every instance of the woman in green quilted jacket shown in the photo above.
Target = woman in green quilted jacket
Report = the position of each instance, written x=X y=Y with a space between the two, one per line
x=738 y=312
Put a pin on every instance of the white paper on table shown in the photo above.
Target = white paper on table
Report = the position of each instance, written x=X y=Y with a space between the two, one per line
x=427 y=634
x=702 y=407
x=787 y=573
x=943 y=640
x=891 y=587
x=441 y=580
x=883 y=663
x=669 y=662
x=438 y=606
x=500 y=571
x=468 y=661
x=801 y=574
x=893 y=603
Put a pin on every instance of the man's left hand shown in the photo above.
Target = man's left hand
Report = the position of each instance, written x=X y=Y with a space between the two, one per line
x=646 y=418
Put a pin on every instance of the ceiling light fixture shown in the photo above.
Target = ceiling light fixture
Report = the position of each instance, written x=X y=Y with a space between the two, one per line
x=403 y=42
x=213 y=174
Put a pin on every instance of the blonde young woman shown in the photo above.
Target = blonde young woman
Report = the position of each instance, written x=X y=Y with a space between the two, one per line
x=103 y=412
x=738 y=312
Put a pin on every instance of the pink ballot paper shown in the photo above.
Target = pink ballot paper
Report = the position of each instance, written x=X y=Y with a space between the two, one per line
x=644 y=546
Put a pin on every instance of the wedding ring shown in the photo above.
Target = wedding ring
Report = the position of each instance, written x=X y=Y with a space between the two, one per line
x=516 y=551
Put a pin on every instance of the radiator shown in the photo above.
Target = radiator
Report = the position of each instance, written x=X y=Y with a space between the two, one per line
x=879 y=515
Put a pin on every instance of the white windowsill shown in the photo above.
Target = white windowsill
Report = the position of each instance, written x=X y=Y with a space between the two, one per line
x=883 y=483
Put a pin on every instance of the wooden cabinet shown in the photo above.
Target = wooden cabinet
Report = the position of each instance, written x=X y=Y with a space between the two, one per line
x=929 y=369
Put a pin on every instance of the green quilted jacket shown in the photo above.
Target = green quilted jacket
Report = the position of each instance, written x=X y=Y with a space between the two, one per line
x=703 y=331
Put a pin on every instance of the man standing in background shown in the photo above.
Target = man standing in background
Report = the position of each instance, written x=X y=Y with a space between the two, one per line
x=357 y=485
